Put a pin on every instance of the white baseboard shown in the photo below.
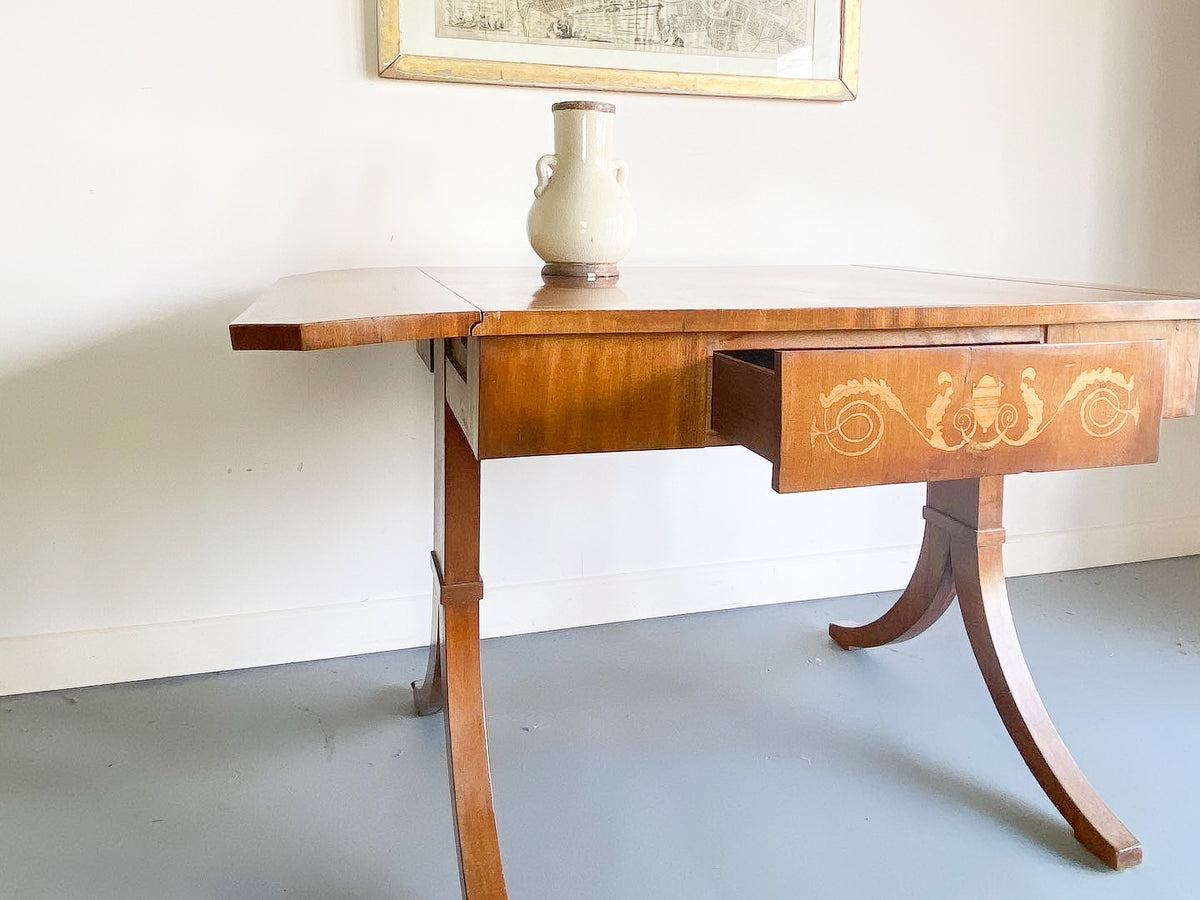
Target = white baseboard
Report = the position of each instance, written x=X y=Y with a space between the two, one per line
x=45 y=662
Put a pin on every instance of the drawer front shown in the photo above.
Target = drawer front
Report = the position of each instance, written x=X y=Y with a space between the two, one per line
x=841 y=418
x=544 y=394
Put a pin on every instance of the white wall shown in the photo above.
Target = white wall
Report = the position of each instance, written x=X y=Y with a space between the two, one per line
x=168 y=506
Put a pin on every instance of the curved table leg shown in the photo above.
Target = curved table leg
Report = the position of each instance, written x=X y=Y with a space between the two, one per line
x=983 y=600
x=429 y=694
x=970 y=511
x=930 y=591
x=962 y=551
x=480 y=869
x=453 y=679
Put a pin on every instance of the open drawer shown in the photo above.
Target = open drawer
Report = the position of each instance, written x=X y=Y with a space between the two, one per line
x=840 y=418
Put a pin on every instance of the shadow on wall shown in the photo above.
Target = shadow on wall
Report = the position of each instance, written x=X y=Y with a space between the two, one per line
x=160 y=476
x=370 y=32
x=1149 y=144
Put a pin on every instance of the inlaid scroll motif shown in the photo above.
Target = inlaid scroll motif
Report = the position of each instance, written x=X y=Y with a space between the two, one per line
x=853 y=415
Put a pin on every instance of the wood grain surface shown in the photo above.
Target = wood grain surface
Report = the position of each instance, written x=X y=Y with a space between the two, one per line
x=842 y=418
x=589 y=393
x=1183 y=353
x=349 y=307
x=797 y=298
x=361 y=306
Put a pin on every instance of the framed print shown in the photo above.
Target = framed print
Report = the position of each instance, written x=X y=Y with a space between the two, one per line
x=788 y=49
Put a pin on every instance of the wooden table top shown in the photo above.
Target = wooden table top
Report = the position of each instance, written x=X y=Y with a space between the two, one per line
x=366 y=306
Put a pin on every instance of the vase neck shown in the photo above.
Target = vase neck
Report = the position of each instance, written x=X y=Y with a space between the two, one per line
x=584 y=134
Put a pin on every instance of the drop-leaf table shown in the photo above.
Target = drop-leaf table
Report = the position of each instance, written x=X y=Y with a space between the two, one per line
x=839 y=375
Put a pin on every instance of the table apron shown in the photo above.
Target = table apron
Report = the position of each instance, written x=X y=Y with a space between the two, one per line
x=532 y=395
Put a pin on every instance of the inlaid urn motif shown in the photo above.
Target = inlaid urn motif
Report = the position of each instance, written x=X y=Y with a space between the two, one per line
x=985 y=399
x=582 y=222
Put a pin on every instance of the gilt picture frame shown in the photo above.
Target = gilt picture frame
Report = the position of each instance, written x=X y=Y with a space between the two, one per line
x=783 y=49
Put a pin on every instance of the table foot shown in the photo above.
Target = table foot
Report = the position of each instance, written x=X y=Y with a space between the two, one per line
x=929 y=593
x=963 y=552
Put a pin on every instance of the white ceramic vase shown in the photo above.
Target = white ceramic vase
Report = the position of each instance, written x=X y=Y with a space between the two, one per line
x=581 y=222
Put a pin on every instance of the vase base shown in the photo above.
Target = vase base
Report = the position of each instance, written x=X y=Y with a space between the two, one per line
x=580 y=274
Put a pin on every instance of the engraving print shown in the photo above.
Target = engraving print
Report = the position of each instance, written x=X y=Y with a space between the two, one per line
x=853 y=413
x=748 y=28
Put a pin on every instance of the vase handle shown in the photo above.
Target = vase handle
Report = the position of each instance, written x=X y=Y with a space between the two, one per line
x=545 y=168
x=621 y=170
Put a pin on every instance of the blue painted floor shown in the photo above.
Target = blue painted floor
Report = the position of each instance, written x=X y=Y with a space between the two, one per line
x=726 y=755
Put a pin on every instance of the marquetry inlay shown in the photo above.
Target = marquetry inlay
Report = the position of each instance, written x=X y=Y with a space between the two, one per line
x=853 y=414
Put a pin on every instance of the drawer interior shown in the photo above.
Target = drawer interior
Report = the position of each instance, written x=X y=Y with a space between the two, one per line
x=764 y=359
